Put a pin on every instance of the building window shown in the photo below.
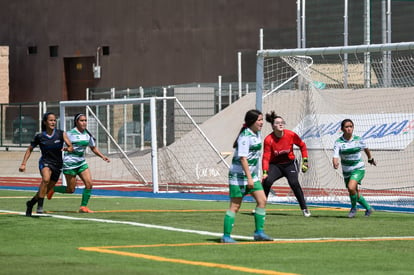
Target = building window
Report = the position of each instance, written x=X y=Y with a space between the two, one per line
x=105 y=50
x=32 y=50
x=53 y=51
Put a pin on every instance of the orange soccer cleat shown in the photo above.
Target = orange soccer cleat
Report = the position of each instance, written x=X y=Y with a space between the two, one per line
x=50 y=194
x=84 y=209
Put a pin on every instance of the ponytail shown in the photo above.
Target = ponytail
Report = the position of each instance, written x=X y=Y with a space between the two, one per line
x=89 y=133
x=270 y=117
x=249 y=119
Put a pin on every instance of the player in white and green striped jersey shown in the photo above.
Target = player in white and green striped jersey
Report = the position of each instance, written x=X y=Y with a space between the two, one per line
x=74 y=163
x=348 y=149
x=244 y=176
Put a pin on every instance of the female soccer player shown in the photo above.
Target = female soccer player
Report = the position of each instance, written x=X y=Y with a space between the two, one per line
x=51 y=142
x=279 y=159
x=74 y=163
x=348 y=148
x=244 y=176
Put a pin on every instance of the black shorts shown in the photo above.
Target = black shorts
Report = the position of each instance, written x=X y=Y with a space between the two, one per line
x=56 y=170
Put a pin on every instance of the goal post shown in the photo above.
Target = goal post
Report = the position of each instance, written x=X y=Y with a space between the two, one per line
x=165 y=149
x=314 y=89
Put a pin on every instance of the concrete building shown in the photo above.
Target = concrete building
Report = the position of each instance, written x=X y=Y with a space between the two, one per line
x=54 y=45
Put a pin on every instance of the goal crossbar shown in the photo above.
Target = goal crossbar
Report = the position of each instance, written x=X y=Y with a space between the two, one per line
x=401 y=46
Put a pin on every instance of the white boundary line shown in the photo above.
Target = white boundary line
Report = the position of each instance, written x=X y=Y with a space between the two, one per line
x=204 y=233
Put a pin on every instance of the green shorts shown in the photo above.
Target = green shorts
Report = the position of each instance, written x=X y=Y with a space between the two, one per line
x=356 y=175
x=239 y=191
x=76 y=171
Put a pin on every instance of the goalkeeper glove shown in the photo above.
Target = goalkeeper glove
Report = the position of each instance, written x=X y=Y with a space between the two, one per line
x=372 y=162
x=305 y=165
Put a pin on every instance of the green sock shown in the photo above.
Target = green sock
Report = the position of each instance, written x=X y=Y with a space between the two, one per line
x=229 y=219
x=60 y=189
x=363 y=202
x=85 y=196
x=353 y=200
x=259 y=218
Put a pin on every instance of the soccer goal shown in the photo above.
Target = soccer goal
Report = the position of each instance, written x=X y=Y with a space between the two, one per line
x=153 y=144
x=315 y=89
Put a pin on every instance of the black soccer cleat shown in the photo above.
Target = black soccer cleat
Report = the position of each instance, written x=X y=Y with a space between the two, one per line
x=29 y=208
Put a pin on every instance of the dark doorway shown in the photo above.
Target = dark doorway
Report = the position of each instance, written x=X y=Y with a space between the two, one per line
x=79 y=76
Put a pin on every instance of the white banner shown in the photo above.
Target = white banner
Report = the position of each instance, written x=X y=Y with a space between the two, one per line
x=381 y=131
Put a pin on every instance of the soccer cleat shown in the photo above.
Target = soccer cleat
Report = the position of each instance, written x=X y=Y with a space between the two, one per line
x=29 y=208
x=84 y=209
x=227 y=239
x=306 y=212
x=352 y=212
x=261 y=236
x=50 y=194
x=368 y=212
x=39 y=210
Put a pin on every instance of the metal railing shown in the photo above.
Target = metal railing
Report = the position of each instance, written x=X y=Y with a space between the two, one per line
x=20 y=121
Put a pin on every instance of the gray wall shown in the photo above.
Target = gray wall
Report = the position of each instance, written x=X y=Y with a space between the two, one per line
x=151 y=42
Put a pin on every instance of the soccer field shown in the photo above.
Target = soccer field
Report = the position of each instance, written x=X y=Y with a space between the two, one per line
x=176 y=236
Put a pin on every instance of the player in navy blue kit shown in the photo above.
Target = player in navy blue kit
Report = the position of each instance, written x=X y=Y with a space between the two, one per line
x=50 y=142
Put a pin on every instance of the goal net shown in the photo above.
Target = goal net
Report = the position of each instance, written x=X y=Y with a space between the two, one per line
x=153 y=144
x=315 y=89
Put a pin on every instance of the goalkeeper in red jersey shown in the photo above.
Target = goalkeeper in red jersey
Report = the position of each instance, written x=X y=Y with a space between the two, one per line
x=279 y=160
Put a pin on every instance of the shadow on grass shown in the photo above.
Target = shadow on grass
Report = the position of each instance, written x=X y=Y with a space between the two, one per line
x=293 y=214
x=218 y=240
x=61 y=211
